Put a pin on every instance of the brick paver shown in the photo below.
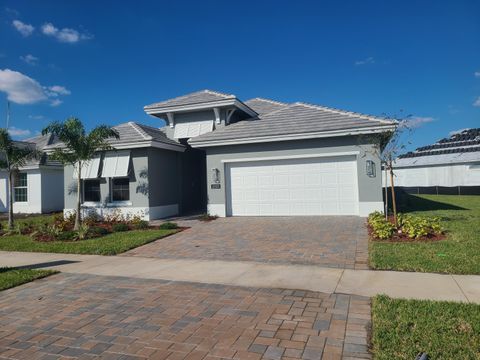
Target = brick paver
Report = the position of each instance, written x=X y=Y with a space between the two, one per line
x=70 y=316
x=339 y=242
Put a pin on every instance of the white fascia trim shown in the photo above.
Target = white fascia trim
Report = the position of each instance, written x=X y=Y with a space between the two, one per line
x=155 y=144
x=200 y=106
x=313 y=135
x=288 y=157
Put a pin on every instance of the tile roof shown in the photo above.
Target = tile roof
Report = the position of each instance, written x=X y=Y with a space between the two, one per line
x=198 y=97
x=460 y=147
x=41 y=142
x=264 y=106
x=296 y=118
x=132 y=133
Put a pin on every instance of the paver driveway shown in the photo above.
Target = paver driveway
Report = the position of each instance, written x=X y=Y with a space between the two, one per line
x=339 y=242
x=85 y=316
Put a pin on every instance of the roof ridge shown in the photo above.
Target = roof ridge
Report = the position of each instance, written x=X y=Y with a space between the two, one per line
x=345 y=112
x=216 y=93
x=269 y=100
x=138 y=128
x=276 y=111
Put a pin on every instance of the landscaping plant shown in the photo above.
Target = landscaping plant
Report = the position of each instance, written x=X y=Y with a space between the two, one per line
x=79 y=149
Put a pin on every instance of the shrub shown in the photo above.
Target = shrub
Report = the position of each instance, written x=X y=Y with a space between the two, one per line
x=92 y=218
x=98 y=231
x=168 y=225
x=82 y=232
x=141 y=225
x=381 y=228
x=120 y=227
x=416 y=226
x=66 y=235
x=207 y=217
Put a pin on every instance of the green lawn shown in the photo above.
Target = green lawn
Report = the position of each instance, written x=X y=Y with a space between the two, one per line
x=444 y=330
x=110 y=244
x=10 y=277
x=459 y=253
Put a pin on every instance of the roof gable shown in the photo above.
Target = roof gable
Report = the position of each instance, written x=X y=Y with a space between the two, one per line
x=198 y=97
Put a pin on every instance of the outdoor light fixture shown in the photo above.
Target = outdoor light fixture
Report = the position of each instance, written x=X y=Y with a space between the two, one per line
x=371 y=170
x=215 y=176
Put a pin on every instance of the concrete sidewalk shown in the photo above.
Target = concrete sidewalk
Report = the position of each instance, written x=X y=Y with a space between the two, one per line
x=465 y=288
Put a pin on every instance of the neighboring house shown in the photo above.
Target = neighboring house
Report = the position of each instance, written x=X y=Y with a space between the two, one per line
x=37 y=187
x=268 y=158
x=450 y=166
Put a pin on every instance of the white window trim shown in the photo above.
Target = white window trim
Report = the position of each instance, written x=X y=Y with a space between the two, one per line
x=21 y=187
x=118 y=202
x=90 y=203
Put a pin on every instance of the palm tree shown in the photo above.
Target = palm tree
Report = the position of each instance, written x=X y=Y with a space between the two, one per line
x=14 y=155
x=79 y=148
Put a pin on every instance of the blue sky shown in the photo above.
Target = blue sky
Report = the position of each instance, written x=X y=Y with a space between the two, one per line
x=102 y=61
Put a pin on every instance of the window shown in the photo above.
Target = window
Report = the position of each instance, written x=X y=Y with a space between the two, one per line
x=120 y=189
x=20 y=188
x=91 y=190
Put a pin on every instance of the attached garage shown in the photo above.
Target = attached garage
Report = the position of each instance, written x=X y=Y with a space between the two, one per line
x=293 y=187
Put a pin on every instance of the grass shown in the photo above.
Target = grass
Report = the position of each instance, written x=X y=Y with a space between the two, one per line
x=110 y=244
x=10 y=277
x=444 y=330
x=459 y=253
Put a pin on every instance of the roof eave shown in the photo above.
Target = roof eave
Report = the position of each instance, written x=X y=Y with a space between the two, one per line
x=290 y=137
x=162 y=110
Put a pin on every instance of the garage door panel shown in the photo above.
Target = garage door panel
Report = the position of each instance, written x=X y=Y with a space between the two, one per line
x=293 y=187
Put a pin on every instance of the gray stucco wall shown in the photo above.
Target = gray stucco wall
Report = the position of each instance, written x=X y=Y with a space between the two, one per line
x=369 y=188
x=154 y=180
x=164 y=177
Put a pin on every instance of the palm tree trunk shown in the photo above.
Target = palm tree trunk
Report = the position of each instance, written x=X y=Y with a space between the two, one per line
x=10 y=201
x=79 y=188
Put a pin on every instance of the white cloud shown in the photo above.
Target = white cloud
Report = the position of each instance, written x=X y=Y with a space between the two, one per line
x=369 y=60
x=477 y=102
x=55 y=102
x=29 y=59
x=65 y=35
x=56 y=90
x=22 y=28
x=16 y=132
x=22 y=89
x=477 y=73
x=36 y=117
x=416 y=122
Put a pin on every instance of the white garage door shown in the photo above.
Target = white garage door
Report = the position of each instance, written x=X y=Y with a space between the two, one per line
x=313 y=186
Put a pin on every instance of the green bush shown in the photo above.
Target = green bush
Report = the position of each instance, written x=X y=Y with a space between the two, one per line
x=82 y=232
x=168 y=225
x=66 y=236
x=381 y=228
x=120 y=227
x=141 y=225
x=98 y=231
x=417 y=226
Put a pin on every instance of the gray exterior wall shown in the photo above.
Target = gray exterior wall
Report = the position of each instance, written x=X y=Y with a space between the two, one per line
x=369 y=188
x=154 y=184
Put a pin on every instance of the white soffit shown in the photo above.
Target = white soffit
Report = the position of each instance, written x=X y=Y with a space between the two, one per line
x=89 y=169
x=115 y=163
x=192 y=129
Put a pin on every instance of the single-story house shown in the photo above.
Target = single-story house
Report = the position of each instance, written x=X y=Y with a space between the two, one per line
x=449 y=166
x=219 y=154
x=38 y=185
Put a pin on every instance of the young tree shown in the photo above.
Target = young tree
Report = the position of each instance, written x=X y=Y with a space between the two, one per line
x=79 y=148
x=13 y=156
x=388 y=146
